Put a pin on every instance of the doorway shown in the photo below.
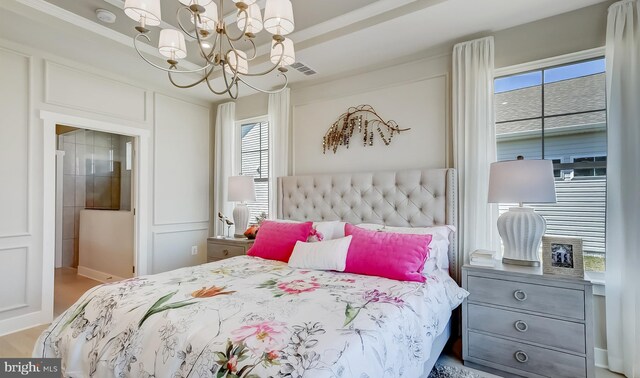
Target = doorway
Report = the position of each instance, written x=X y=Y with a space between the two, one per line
x=94 y=216
x=91 y=209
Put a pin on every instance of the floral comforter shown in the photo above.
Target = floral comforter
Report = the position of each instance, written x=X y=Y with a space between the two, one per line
x=248 y=317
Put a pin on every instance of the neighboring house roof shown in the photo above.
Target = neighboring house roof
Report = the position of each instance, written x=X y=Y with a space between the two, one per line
x=568 y=96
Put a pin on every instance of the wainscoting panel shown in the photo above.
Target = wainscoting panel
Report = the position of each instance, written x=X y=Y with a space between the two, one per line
x=172 y=249
x=15 y=77
x=13 y=271
x=181 y=156
x=76 y=89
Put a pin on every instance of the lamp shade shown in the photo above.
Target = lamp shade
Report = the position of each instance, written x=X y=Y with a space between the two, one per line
x=209 y=18
x=237 y=61
x=519 y=181
x=289 y=56
x=171 y=44
x=278 y=17
x=241 y=189
x=149 y=10
x=254 y=19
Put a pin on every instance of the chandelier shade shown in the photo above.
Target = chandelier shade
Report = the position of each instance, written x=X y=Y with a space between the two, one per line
x=172 y=44
x=146 y=12
x=278 y=17
x=251 y=19
x=289 y=56
x=208 y=19
x=223 y=54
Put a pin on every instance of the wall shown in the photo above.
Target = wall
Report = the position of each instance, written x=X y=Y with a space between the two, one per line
x=106 y=245
x=420 y=104
x=33 y=80
x=566 y=33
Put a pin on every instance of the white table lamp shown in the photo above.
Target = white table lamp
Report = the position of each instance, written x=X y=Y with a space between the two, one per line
x=521 y=229
x=241 y=189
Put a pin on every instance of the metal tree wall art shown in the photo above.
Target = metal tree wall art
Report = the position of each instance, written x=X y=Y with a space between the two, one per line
x=365 y=121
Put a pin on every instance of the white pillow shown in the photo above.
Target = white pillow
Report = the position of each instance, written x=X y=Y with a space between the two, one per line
x=324 y=255
x=439 y=254
x=330 y=230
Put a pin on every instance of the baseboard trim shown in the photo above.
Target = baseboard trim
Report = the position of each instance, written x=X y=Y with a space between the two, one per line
x=22 y=322
x=97 y=275
x=601 y=358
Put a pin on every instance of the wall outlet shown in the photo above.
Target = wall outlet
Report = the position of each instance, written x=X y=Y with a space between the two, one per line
x=194 y=250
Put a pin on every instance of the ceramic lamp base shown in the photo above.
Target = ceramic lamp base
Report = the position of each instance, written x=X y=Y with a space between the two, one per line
x=521 y=231
x=240 y=219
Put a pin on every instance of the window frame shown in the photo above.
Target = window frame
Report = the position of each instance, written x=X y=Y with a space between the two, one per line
x=542 y=64
x=238 y=152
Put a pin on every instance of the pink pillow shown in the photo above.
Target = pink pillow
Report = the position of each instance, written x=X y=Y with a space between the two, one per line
x=397 y=256
x=276 y=240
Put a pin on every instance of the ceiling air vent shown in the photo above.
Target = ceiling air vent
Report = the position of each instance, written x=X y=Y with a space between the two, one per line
x=303 y=68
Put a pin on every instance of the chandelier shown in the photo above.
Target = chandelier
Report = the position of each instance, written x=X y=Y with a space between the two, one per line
x=202 y=21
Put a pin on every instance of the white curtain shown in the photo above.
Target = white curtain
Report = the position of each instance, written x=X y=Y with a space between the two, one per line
x=279 y=131
x=474 y=143
x=623 y=188
x=225 y=150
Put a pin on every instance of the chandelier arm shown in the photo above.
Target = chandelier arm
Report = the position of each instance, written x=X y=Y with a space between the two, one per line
x=244 y=30
x=187 y=85
x=214 y=91
x=135 y=45
x=228 y=88
x=286 y=81
x=208 y=57
x=234 y=79
x=202 y=52
x=234 y=82
x=180 y=22
x=235 y=97
x=276 y=65
x=255 y=50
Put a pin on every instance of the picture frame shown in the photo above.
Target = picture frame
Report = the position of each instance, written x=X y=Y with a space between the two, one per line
x=562 y=255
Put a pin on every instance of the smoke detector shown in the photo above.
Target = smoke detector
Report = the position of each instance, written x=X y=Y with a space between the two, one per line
x=105 y=16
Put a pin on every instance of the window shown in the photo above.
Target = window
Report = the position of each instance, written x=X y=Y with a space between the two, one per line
x=254 y=161
x=559 y=113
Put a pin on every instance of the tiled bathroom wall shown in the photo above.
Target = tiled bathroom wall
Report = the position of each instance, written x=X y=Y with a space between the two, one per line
x=96 y=177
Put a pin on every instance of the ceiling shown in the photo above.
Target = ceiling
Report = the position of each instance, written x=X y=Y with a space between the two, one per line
x=331 y=36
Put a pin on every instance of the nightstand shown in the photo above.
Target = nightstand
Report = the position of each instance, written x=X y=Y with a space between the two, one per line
x=220 y=248
x=520 y=322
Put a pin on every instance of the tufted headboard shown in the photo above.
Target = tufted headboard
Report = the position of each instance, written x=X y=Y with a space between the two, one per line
x=407 y=198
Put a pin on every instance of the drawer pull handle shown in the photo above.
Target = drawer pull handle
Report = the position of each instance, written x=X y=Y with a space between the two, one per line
x=225 y=252
x=521 y=326
x=520 y=295
x=521 y=357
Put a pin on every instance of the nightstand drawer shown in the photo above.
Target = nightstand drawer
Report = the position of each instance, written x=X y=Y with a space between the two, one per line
x=525 y=357
x=221 y=251
x=539 y=298
x=561 y=334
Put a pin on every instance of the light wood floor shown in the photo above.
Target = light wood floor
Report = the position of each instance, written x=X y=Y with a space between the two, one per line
x=68 y=288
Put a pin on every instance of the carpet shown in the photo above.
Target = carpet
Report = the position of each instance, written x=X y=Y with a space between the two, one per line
x=444 y=371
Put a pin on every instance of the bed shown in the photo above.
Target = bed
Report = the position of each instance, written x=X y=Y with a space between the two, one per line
x=249 y=317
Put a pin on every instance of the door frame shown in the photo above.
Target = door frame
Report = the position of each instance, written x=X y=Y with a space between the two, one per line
x=140 y=186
